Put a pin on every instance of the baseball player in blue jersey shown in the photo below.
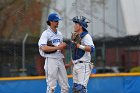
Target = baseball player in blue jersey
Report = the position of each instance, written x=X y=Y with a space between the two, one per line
x=51 y=46
x=81 y=56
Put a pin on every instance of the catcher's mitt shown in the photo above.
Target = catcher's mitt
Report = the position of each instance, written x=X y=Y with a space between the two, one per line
x=49 y=43
x=75 y=37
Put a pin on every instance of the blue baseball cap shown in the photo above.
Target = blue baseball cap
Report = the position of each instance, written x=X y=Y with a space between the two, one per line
x=53 y=17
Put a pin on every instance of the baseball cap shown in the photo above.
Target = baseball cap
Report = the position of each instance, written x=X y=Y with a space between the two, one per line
x=53 y=17
x=81 y=21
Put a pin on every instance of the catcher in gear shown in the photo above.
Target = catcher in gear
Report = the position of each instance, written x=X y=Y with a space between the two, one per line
x=51 y=47
x=82 y=46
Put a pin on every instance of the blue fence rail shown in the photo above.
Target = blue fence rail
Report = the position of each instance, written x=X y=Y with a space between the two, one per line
x=99 y=83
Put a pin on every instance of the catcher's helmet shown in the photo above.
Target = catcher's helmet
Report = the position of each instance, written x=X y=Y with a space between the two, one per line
x=81 y=21
x=53 y=17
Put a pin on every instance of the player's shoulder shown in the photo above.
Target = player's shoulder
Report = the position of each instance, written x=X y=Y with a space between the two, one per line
x=87 y=36
x=47 y=31
x=59 y=33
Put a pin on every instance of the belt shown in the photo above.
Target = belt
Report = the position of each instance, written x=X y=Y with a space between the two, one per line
x=81 y=62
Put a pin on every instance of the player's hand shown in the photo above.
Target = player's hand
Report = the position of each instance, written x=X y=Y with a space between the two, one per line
x=76 y=44
x=62 y=46
x=67 y=66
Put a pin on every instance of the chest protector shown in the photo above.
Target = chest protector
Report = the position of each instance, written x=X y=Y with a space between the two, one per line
x=77 y=53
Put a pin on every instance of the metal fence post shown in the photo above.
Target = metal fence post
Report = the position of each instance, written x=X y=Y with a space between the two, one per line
x=23 y=55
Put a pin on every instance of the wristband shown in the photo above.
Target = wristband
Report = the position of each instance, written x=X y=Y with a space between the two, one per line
x=82 y=47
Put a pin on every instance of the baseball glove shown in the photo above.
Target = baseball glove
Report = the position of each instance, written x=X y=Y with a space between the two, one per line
x=49 y=43
x=75 y=37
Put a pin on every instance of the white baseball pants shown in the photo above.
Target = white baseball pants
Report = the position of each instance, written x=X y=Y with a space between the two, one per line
x=55 y=71
x=81 y=73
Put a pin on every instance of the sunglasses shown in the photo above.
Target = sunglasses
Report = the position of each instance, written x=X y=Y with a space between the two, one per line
x=55 y=21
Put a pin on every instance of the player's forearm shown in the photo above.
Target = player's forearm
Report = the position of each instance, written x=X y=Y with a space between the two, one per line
x=83 y=47
x=48 y=48
x=88 y=48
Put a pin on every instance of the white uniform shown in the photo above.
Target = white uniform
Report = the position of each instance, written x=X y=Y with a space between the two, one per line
x=54 y=65
x=82 y=71
x=86 y=40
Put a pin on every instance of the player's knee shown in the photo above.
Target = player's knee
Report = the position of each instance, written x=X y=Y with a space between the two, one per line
x=50 y=90
x=66 y=90
x=78 y=88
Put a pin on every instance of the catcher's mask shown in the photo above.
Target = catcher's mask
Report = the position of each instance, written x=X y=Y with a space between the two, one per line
x=82 y=21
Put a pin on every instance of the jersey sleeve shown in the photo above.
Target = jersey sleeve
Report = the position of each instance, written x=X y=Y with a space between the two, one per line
x=89 y=42
x=43 y=39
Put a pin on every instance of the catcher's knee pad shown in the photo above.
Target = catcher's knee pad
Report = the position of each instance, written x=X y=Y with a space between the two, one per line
x=78 y=88
x=74 y=87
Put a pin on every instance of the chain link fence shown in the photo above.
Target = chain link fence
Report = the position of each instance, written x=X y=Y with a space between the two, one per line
x=118 y=52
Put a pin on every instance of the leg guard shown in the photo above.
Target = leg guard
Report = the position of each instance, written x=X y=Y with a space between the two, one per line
x=78 y=88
